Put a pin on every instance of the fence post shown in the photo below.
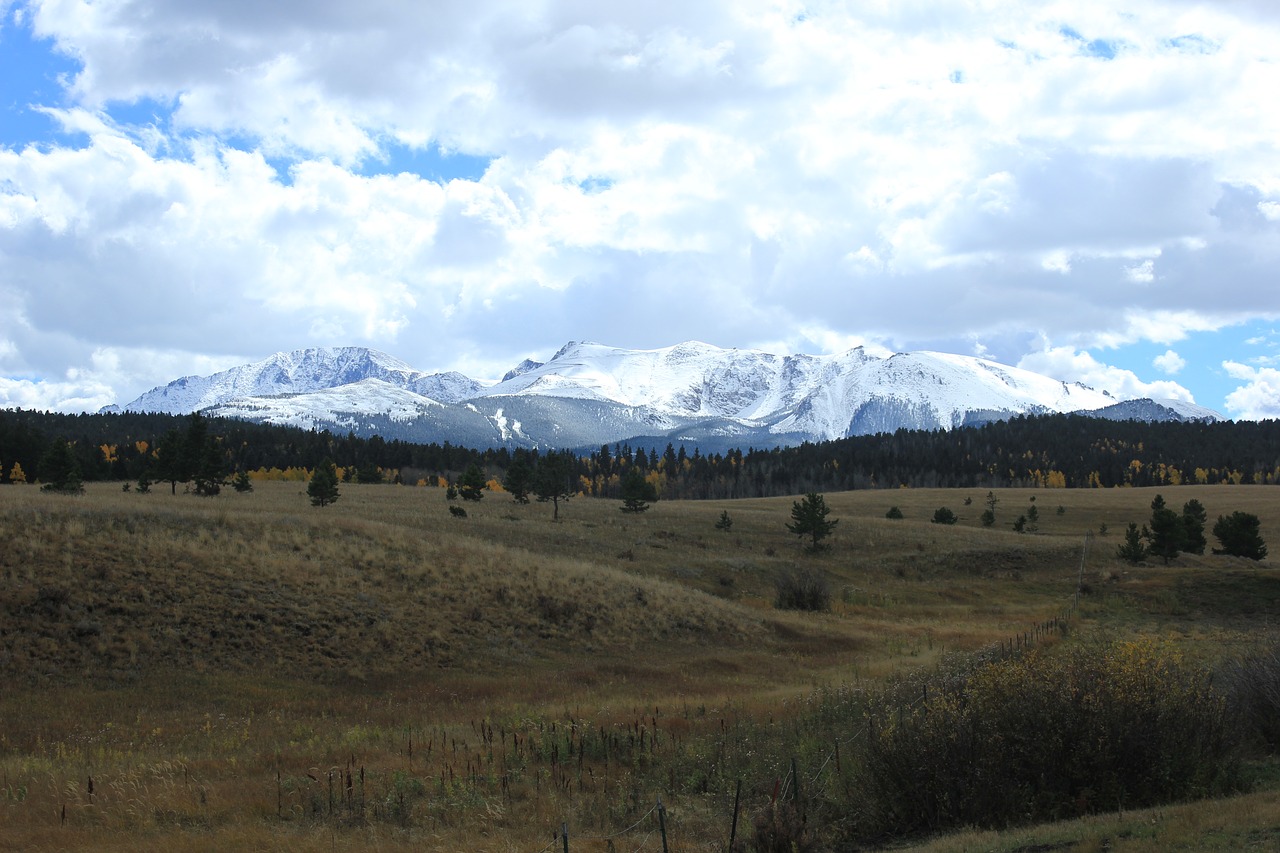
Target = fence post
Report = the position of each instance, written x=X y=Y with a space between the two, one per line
x=662 y=823
x=795 y=794
x=733 y=827
x=564 y=834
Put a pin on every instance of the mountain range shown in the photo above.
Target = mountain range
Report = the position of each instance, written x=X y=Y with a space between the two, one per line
x=589 y=394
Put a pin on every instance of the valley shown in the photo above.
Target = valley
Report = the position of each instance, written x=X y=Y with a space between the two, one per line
x=249 y=671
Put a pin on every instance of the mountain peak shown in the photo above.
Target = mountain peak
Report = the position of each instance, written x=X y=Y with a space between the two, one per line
x=591 y=394
x=299 y=372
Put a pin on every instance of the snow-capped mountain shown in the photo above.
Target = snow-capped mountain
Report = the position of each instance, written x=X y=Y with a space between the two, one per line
x=589 y=394
x=301 y=372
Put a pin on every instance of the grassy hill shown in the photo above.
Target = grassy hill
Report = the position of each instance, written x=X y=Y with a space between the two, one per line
x=250 y=671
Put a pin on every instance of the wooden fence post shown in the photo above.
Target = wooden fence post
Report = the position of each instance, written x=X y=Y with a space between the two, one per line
x=733 y=827
x=662 y=823
x=564 y=834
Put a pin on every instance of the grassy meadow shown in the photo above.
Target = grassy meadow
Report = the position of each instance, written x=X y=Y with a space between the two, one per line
x=251 y=672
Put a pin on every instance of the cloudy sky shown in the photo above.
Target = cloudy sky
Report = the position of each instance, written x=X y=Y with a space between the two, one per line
x=1088 y=189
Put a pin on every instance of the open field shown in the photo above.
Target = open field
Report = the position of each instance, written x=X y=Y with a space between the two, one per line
x=250 y=672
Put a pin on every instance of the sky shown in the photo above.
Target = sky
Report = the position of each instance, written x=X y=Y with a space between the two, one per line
x=1088 y=189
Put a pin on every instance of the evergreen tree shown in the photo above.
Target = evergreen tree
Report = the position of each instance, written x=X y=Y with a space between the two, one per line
x=987 y=518
x=171 y=460
x=894 y=513
x=210 y=470
x=725 y=523
x=1238 y=534
x=1168 y=533
x=636 y=491
x=59 y=470
x=144 y=483
x=809 y=518
x=1134 y=548
x=1033 y=519
x=471 y=484
x=551 y=479
x=242 y=483
x=369 y=474
x=323 y=488
x=518 y=480
x=942 y=515
x=1193 y=521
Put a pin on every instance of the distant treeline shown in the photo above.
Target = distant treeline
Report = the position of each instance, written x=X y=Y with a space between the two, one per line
x=1050 y=451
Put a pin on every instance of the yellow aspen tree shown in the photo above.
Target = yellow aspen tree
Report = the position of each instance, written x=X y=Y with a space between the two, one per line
x=16 y=474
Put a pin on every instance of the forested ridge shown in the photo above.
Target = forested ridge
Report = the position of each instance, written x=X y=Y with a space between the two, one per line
x=1050 y=451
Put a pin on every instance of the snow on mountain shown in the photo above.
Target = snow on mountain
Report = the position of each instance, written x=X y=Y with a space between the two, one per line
x=687 y=380
x=301 y=372
x=824 y=397
x=590 y=394
x=345 y=406
x=1157 y=410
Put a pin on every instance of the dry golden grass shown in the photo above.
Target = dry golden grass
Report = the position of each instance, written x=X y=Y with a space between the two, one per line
x=215 y=664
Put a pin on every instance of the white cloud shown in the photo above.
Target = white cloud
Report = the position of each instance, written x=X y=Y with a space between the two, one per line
x=1143 y=273
x=1259 y=398
x=722 y=171
x=1170 y=363
x=1071 y=365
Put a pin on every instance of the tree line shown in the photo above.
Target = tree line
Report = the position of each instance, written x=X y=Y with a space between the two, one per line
x=1049 y=451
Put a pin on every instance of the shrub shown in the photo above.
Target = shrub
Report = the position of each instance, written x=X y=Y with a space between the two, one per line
x=1048 y=735
x=942 y=515
x=781 y=828
x=1255 y=685
x=1238 y=535
x=802 y=588
x=893 y=512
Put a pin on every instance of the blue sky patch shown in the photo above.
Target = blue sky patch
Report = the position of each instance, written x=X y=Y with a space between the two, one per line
x=30 y=73
x=430 y=162
x=595 y=185
x=1255 y=343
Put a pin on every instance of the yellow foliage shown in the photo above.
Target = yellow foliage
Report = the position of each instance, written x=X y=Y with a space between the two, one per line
x=108 y=452
x=141 y=446
x=494 y=486
x=16 y=474
x=1055 y=480
x=288 y=475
